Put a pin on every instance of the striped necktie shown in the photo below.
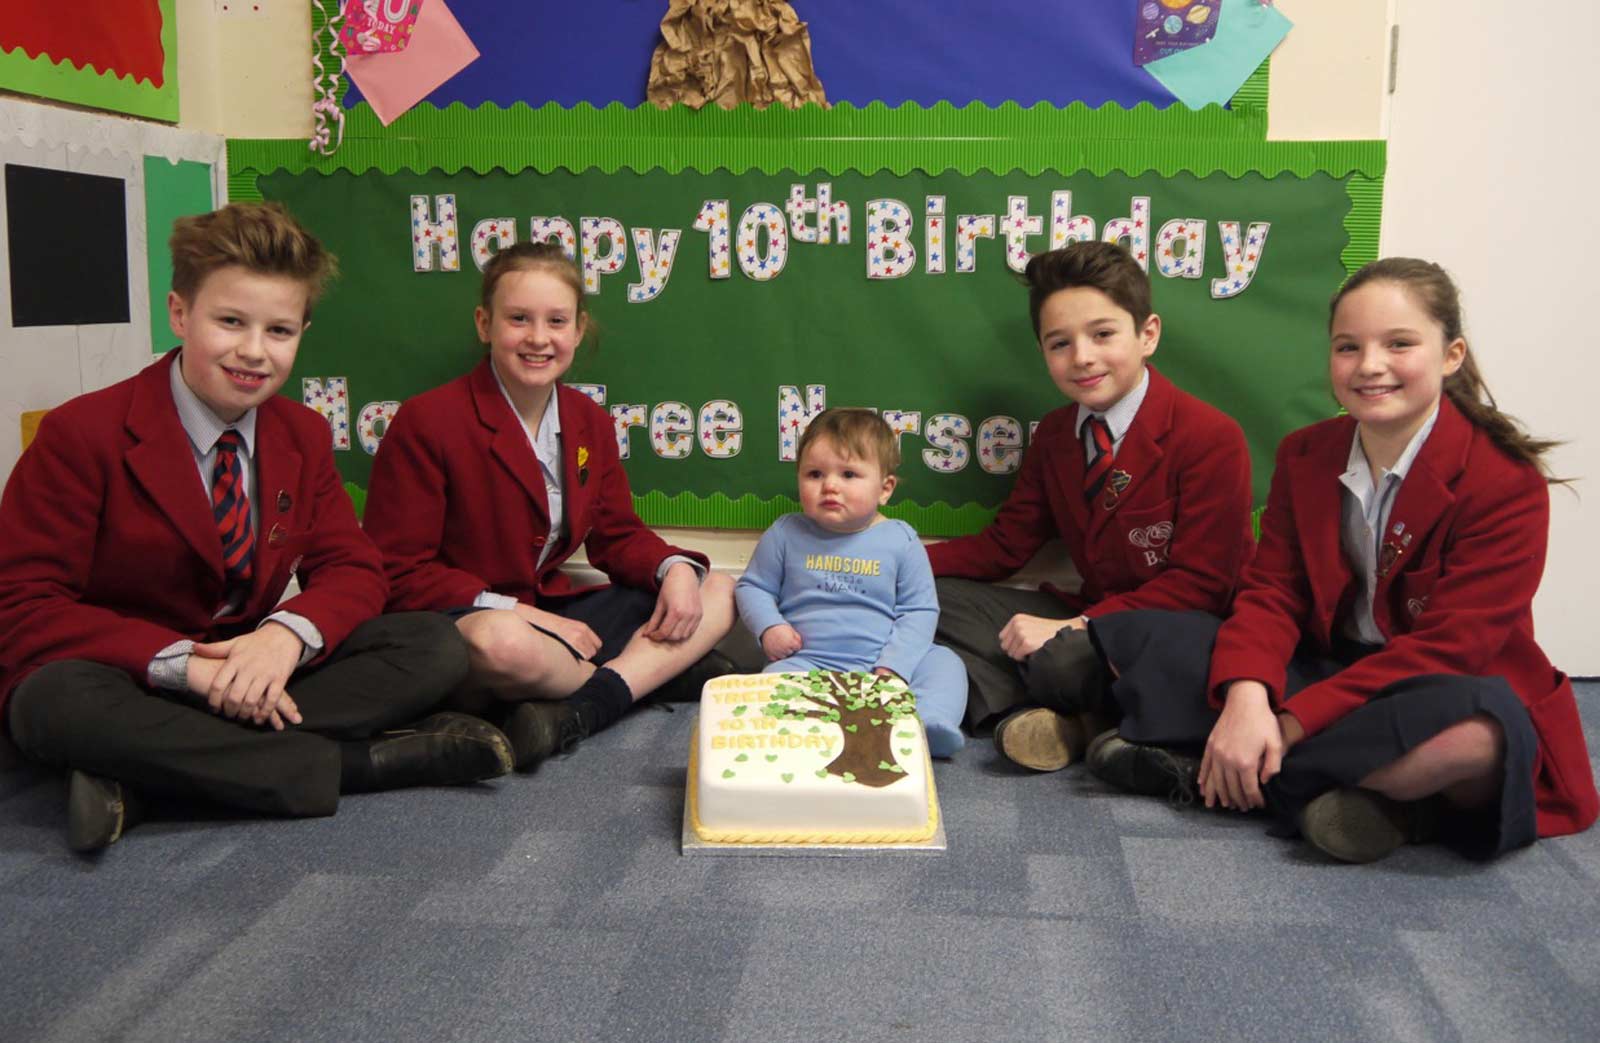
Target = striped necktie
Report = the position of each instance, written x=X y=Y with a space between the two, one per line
x=1097 y=433
x=231 y=509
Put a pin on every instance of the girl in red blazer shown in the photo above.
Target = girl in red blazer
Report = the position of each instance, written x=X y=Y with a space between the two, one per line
x=1377 y=680
x=482 y=488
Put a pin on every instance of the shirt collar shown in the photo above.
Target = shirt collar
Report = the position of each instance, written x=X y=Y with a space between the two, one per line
x=1356 y=465
x=549 y=424
x=202 y=425
x=1120 y=416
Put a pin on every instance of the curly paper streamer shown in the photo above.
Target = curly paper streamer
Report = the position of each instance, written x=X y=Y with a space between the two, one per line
x=326 y=107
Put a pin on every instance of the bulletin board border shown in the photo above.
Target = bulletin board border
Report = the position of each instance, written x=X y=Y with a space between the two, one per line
x=45 y=77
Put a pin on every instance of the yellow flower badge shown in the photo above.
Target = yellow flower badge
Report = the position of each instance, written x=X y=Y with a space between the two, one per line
x=583 y=464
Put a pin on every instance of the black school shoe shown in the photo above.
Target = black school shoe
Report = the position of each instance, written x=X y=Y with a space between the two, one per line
x=685 y=688
x=447 y=749
x=541 y=728
x=1153 y=771
x=99 y=811
x=1359 y=825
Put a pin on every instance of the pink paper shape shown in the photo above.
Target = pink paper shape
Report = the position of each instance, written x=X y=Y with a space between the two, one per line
x=392 y=83
x=378 y=26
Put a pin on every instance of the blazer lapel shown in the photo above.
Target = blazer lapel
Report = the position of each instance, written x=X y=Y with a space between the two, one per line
x=1317 y=496
x=278 y=470
x=1424 y=497
x=577 y=462
x=1072 y=475
x=162 y=462
x=509 y=443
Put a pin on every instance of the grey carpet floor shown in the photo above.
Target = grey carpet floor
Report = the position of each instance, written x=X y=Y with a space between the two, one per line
x=558 y=907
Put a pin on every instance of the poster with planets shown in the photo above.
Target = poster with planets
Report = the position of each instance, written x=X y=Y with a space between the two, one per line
x=1165 y=27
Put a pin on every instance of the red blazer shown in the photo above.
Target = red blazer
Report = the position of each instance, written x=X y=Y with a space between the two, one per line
x=1458 y=600
x=1175 y=537
x=457 y=502
x=108 y=549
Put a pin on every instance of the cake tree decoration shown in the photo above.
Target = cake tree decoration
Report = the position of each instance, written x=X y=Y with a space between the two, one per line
x=866 y=707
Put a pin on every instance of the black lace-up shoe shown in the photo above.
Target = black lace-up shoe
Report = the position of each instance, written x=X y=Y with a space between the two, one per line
x=1154 y=771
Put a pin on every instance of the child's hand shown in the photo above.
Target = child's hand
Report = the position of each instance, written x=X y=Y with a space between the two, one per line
x=1024 y=635
x=1245 y=749
x=575 y=633
x=678 y=607
x=243 y=678
x=780 y=642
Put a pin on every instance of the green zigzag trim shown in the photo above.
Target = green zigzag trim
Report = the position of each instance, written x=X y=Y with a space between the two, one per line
x=871 y=139
x=717 y=511
x=1252 y=93
x=1362 y=223
x=43 y=76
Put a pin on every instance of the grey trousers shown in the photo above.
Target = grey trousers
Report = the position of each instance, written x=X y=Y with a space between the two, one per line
x=1064 y=675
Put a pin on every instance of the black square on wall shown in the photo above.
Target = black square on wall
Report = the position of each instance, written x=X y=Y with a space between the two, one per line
x=68 y=242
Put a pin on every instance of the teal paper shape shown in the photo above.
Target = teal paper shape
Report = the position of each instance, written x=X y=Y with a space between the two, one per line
x=1247 y=31
x=171 y=191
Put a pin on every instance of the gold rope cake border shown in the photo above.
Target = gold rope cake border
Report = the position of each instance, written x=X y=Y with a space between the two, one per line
x=859 y=836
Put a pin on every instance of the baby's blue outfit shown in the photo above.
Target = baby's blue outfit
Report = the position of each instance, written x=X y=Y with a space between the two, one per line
x=859 y=600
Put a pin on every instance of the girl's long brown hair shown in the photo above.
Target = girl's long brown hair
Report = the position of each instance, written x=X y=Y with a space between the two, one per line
x=1432 y=288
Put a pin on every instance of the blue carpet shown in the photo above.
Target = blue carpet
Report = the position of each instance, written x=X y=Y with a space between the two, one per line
x=557 y=907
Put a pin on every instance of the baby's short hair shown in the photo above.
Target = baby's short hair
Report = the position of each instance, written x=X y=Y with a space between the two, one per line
x=1107 y=267
x=859 y=433
x=258 y=237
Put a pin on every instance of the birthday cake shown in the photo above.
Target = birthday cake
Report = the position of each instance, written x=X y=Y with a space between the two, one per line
x=824 y=757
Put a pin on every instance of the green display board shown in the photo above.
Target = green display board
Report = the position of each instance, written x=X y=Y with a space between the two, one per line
x=171 y=190
x=946 y=353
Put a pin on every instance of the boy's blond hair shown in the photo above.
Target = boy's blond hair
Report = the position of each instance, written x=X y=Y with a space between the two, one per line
x=860 y=433
x=258 y=237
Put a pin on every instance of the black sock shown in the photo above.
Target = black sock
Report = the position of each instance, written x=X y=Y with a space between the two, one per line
x=355 y=767
x=601 y=700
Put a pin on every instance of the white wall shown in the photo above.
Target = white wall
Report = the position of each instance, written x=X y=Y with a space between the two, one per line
x=1491 y=135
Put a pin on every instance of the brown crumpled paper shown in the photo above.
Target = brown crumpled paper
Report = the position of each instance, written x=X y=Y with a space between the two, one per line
x=732 y=51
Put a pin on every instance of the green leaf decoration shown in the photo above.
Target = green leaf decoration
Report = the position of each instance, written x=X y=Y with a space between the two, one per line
x=885 y=766
x=851 y=728
x=814 y=729
x=874 y=721
x=742 y=758
x=905 y=751
x=727 y=773
x=788 y=776
x=783 y=731
x=740 y=709
x=822 y=773
x=771 y=757
x=824 y=753
x=897 y=769
x=905 y=735
x=849 y=776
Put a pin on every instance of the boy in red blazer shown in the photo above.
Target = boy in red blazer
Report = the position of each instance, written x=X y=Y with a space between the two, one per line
x=146 y=538
x=1147 y=487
